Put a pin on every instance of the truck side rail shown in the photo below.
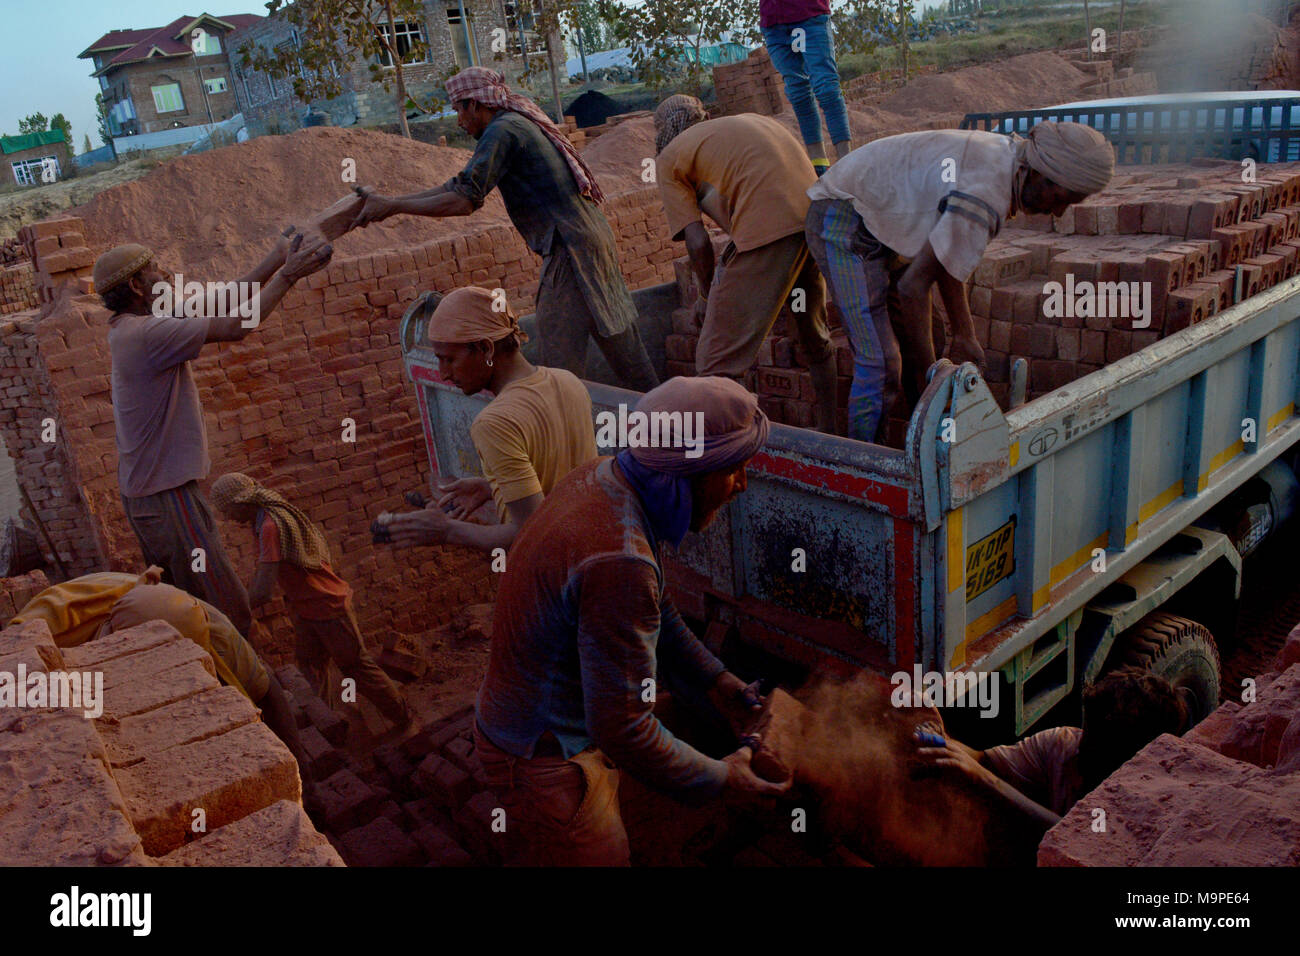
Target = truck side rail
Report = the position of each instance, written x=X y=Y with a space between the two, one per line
x=1097 y=475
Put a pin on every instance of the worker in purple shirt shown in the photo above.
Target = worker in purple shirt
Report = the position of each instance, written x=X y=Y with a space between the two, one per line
x=798 y=38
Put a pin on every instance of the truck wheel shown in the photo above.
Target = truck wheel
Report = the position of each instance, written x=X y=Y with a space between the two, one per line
x=1179 y=650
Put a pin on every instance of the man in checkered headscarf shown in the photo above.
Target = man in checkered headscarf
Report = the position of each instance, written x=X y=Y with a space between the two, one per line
x=551 y=197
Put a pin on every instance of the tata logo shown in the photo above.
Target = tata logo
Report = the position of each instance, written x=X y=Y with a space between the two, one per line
x=1043 y=442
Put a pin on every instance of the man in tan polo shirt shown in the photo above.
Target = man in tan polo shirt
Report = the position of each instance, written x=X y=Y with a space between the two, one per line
x=535 y=431
x=750 y=176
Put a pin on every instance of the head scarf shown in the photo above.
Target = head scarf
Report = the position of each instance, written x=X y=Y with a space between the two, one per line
x=488 y=87
x=675 y=114
x=1074 y=156
x=467 y=315
x=301 y=542
x=162 y=602
x=118 y=265
x=735 y=428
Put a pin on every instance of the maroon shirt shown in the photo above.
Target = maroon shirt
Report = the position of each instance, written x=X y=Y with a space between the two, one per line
x=773 y=13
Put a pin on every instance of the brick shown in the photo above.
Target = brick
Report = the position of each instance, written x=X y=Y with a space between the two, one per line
x=1042 y=341
x=1002 y=266
x=203 y=715
x=474 y=828
x=444 y=781
x=1118 y=345
x=332 y=726
x=152 y=665
x=133 y=640
x=401 y=665
x=999 y=337
x=380 y=843
x=33 y=636
x=324 y=760
x=62 y=807
x=980 y=300
x=1068 y=344
x=345 y=801
x=278 y=835
x=229 y=776
x=460 y=751
x=1092 y=346
x=1189 y=306
x=1166 y=270
x=424 y=811
x=439 y=848
x=780 y=383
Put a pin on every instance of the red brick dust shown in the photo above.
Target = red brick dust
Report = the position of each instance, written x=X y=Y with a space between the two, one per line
x=855 y=751
x=218 y=211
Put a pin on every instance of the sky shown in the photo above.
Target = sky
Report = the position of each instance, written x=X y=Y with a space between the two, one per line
x=39 y=69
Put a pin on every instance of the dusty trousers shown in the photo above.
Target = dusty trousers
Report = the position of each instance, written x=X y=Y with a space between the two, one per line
x=558 y=812
x=339 y=639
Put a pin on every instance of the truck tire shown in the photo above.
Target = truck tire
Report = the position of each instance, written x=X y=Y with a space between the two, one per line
x=1179 y=650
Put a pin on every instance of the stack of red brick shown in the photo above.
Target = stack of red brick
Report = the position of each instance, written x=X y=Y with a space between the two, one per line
x=17 y=288
x=591 y=132
x=1111 y=81
x=1201 y=237
x=750 y=86
x=58 y=248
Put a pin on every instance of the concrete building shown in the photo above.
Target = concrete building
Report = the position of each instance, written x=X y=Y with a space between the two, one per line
x=165 y=77
x=35 y=157
x=458 y=33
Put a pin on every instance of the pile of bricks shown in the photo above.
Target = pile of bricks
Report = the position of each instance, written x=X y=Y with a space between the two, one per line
x=1200 y=236
x=1226 y=793
x=18 y=288
x=869 y=85
x=57 y=248
x=577 y=137
x=12 y=251
x=1111 y=81
x=751 y=86
x=591 y=132
x=176 y=770
x=17 y=591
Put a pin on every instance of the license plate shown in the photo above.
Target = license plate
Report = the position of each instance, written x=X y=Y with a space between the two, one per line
x=990 y=559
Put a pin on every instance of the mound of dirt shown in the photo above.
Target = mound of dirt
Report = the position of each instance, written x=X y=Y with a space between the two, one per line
x=617 y=157
x=1022 y=82
x=221 y=209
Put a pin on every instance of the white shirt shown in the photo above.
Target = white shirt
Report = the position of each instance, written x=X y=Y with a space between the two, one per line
x=950 y=187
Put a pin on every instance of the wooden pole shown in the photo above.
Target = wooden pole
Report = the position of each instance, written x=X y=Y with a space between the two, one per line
x=1087 y=30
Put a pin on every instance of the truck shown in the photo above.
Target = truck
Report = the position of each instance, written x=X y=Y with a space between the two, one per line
x=1100 y=525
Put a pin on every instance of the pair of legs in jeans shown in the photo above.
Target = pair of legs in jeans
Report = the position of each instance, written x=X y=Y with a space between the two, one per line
x=805 y=57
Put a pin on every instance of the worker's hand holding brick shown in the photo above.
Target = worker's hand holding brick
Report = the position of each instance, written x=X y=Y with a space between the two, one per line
x=374 y=207
x=338 y=218
x=966 y=350
x=307 y=254
x=737 y=701
x=744 y=784
x=411 y=528
x=463 y=497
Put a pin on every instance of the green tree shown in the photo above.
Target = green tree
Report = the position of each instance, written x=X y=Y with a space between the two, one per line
x=85 y=144
x=597 y=32
x=667 y=36
x=35 y=123
x=101 y=114
x=59 y=121
x=332 y=35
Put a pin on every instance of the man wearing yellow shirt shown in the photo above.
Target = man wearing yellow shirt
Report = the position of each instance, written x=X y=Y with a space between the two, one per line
x=536 y=430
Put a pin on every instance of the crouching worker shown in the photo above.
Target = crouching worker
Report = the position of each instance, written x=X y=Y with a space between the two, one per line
x=535 y=431
x=582 y=628
x=94 y=605
x=293 y=551
x=1047 y=773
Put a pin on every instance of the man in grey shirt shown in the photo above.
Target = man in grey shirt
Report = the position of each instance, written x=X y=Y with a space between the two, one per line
x=162 y=444
x=551 y=198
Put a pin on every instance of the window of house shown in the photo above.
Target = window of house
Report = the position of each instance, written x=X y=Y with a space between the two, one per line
x=462 y=34
x=521 y=14
x=215 y=85
x=211 y=44
x=167 y=98
x=407 y=34
x=27 y=172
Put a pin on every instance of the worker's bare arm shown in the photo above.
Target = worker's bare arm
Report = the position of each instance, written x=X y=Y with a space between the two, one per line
x=956 y=757
x=263 y=587
x=307 y=255
x=437 y=202
x=924 y=272
x=432 y=526
x=699 y=247
x=273 y=260
x=464 y=496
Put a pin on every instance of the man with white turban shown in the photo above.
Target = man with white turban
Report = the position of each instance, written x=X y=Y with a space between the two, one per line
x=904 y=213
x=582 y=627
x=551 y=197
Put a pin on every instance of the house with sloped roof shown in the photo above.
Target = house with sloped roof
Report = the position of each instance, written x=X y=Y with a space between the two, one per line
x=160 y=78
x=34 y=158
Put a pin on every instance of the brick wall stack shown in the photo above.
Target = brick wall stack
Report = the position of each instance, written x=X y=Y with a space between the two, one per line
x=33 y=410
x=123 y=788
x=751 y=86
x=17 y=591
x=592 y=132
x=275 y=405
x=57 y=249
x=1189 y=231
x=1111 y=81
x=17 y=288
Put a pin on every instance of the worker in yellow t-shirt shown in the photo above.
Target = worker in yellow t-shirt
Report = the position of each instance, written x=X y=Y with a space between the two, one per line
x=536 y=430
